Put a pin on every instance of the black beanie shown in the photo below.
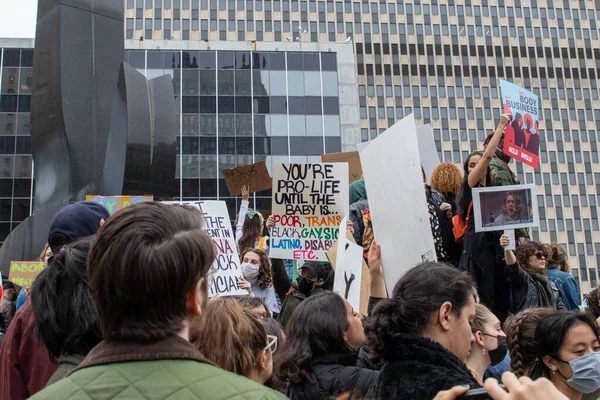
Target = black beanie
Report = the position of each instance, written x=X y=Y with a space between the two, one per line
x=77 y=220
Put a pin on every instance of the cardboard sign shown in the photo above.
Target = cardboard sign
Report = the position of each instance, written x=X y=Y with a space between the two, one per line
x=116 y=203
x=502 y=208
x=23 y=273
x=353 y=160
x=225 y=271
x=309 y=201
x=522 y=136
x=255 y=176
x=428 y=153
x=399 y=212
x=350 y=264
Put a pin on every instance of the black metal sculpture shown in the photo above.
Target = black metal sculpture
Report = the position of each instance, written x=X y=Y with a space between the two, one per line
x=85 y=99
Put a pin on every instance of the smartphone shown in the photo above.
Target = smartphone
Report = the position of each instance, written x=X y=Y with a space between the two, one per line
x=478 y=394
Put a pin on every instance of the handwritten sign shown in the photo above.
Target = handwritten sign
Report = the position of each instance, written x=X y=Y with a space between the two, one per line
x=351 y=157
x=255 y=176
x=23 y=273
x=522 y=137
x=365 y=279
x=116 y=203
x=226 y=271
x=309 y=201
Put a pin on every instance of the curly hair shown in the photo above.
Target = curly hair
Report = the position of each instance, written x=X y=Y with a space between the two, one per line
x=518 y=205
x=527 y=250
x=593 y=303
x=446 y=178
x=520 y=332
x=557 y=258
x=265 y=274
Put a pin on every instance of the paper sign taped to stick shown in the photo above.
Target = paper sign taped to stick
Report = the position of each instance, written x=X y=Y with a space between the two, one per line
x=351 y=157
x=225 y=271
x=255 y=176
x=309 y=201
x=522 y=137
x=23 y=273
x=348 y=269
x=428 y=153
x=116 y=203
x=397 y=202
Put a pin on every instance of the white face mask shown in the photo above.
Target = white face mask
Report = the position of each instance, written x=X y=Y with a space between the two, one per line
x=250 y=272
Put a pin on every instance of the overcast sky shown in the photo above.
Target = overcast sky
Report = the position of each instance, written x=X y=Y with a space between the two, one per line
x=17 y=18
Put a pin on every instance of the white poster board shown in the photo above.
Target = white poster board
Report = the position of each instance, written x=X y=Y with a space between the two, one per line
x=348 y=269
x=397 y=202
x=225 y=271
x=309 y=202
x=501 y=208
x=428 y=153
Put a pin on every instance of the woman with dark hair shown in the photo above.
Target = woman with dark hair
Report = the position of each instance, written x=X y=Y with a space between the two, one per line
x=558 y=271
x=526 y=274
x=423 y=333
x=568 y=353
x=520 y=331
x=256 y=269
x=64 y=309
x=45 y=255
x=255 y=305
x=321 y=354
x=481 y=253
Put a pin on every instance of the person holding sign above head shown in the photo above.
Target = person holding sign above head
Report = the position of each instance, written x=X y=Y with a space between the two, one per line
x=526 y=273
x=256 y=269
x=481 y=253
x=250 y=226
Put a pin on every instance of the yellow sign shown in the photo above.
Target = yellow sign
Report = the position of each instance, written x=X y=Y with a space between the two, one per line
x=23 y=273
x=116 y=203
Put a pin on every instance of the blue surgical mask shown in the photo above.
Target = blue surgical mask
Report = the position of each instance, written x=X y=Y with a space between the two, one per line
x=586 y=373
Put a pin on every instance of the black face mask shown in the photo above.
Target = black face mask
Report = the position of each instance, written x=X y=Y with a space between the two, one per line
x=304 y=285
x=498 y=354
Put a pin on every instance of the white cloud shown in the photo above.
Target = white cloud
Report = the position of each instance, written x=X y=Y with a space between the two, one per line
x=18 y=18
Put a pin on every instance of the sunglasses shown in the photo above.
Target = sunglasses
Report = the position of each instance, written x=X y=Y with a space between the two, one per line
x=539 y=255
x=272 y=345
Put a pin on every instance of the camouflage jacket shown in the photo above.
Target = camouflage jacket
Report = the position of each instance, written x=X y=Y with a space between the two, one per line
x=501 y=175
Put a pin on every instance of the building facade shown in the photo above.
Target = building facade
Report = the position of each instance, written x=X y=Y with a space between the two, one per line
x=440 y=61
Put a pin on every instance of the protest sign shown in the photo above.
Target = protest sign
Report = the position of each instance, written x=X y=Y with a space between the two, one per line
x=522 y=137
x=353 y=160
x=254 y=176
x=226 y=271
x=309 y=201
x=428 y=153
x=23 y=273
x=116 y=203
x=348 y=261
x=504 y=207
x=397 y=202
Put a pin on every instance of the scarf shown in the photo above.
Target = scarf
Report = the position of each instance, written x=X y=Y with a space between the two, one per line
x=545 y=295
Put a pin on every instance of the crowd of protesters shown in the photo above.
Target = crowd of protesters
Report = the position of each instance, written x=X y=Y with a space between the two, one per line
x=122 y=310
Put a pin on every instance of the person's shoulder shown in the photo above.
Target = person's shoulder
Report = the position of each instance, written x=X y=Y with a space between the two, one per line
x=200 y=380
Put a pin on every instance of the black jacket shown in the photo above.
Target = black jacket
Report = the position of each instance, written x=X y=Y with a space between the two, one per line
x=417 y=368
x=335 y=374
x=525 y=292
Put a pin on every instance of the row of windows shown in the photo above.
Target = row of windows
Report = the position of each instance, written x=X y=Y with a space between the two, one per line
x=306 y=105
x=382 y=8
x=16 y=57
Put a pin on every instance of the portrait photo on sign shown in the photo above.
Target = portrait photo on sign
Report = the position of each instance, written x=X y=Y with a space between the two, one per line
x=504 y=207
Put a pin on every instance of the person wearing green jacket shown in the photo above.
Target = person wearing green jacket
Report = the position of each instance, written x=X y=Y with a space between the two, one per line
x=148 y=271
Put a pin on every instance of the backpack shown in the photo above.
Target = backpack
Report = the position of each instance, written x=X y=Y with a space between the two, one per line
x=460 y=225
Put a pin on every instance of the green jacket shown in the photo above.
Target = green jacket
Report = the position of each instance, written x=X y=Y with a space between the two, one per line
x=172 y=369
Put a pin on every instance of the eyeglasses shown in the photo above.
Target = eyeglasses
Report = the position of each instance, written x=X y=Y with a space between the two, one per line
x=272 y=345
x=539 y=255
